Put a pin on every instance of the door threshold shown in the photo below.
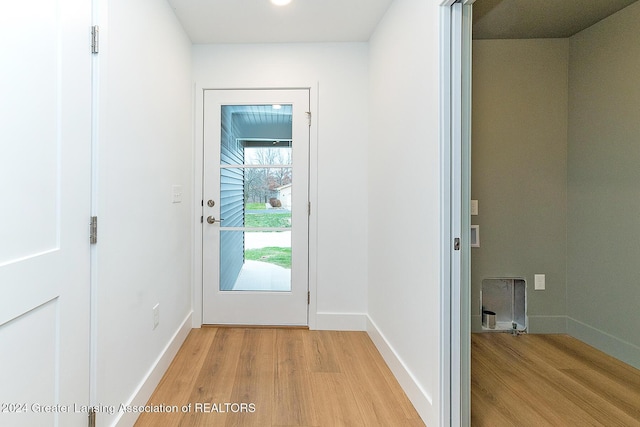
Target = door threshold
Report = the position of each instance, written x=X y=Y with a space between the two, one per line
x=255 y=326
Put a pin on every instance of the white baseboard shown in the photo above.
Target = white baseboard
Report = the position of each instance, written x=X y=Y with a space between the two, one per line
x=340 y=322
x=152 y=379
x=416 y=394
x=613 y=346
x=548 y=324
x=537 y=324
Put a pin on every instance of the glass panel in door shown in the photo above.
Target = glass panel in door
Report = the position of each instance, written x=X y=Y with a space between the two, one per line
x=255 y=198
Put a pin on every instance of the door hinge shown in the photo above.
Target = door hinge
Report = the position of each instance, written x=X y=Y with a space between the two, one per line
x=93 y=230
x=309 y=209
x=202 y=220
x=308 y=297
x=456 y=244
x=92 y=417
x=308 y=117
x=95 y=30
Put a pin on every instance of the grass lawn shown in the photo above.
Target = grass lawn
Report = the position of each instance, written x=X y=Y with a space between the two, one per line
x=272 y=255
x=254 y=206
x=268 y=220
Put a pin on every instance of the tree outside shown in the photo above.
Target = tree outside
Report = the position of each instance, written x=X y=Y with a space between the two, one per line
x=261 y=184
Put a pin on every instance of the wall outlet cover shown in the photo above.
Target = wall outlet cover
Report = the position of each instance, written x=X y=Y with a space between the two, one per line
x=539 y=282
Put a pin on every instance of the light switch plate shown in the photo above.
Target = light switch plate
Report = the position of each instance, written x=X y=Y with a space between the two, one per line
x=156 y=315
x=176 y=194
x=474 y=207
x=539 y=282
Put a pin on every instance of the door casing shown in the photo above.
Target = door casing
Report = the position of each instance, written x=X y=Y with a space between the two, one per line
x=455 y=104
x=197 y=211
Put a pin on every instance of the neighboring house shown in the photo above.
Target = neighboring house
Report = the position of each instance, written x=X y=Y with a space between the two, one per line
x=284 y=195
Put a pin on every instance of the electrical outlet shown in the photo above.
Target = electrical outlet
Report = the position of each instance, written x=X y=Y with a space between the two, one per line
x=539 y=282
x=156 y=315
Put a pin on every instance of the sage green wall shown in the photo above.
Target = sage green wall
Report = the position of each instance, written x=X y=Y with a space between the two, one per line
x=519 y=171
x=604 y=185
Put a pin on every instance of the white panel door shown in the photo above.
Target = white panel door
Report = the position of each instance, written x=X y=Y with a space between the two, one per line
x=255 y=207
x=45 y=140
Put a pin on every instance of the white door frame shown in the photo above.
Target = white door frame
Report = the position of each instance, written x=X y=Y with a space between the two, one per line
x=98 y=10
x=197 y=212
x=455 y=103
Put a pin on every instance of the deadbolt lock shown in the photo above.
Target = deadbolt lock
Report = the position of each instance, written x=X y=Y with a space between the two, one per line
x=211 y=203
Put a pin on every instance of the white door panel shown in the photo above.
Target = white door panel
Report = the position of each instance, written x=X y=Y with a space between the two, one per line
x=45 y=137
x=256 y=157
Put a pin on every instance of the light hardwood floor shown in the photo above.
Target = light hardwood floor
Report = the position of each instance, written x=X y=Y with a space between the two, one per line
x=294 y=377
x=549 y=380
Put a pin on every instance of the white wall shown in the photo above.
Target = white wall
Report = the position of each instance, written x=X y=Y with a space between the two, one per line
x=377 y=247
x=404 y=199
x=520 y=98
x=338 y=76
x=603 y=192
x=143 y=250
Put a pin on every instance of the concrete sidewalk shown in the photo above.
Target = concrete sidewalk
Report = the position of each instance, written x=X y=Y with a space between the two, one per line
x=262 y=276
x=258 y=239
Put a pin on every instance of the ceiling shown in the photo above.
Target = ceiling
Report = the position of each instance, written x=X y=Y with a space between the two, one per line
x=252 y=115
x=526 y=19
x=265 y=122
x=258 y=21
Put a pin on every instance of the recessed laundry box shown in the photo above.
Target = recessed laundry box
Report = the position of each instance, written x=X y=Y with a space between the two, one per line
x=503 y=302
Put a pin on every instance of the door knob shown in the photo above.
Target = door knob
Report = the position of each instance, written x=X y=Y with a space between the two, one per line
x=212 y=220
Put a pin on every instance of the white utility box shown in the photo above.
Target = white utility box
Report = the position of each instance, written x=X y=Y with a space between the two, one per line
x=503 y=303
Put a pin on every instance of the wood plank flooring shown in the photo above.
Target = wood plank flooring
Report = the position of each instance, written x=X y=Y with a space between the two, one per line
x=549 y=380
x=281 y=377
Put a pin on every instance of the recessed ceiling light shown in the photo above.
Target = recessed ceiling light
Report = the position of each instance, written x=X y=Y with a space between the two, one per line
x=281 y=2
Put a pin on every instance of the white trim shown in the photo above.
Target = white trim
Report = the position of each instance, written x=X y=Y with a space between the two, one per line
x=99 y=16
x=340 y=322
x=254 y=229
x=198 y=210
x=457 y=371
x=622 y=350
x=546 y=324
x=416 y=394
x=255 y=166
x=314 y=108
x=151 y=380
x=455 y=139
x=446 y=236
x=198 y=149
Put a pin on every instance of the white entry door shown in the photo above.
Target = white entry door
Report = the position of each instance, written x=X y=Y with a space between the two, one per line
x=255 y=207
x=45 y=165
